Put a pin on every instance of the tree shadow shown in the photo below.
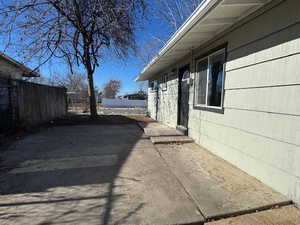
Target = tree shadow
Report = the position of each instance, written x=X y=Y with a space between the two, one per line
x=78 y=159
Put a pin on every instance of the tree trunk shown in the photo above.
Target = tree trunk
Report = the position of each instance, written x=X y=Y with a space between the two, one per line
x=93 y=104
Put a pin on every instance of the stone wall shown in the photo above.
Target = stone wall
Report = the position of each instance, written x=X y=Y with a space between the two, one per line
x=151 y=106
x=168 y=100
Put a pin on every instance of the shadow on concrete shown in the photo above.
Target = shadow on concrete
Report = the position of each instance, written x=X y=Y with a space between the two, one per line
x=81 y=155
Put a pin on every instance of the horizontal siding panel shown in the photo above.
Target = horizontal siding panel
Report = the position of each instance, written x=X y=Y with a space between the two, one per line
x=283 y=71
x=278 y=179
x=284 y=100
x=274 y=126
x=281 y=44
x=276 y=154
x=281 y=16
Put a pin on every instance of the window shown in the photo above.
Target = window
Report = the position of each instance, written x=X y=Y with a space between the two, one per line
x=153 y=85
x=164 y=81
x=209 y=80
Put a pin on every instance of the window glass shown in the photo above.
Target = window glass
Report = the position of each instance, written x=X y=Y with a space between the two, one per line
x=153 y=85
x=215 y=80
x=201 y=82
x=209 y=80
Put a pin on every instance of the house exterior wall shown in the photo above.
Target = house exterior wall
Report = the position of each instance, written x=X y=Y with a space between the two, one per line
x=151 y=106
x=259 y=130
x=8 y=70
x=168 y=100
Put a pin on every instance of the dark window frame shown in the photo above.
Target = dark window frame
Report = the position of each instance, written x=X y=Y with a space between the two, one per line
x=208 y=54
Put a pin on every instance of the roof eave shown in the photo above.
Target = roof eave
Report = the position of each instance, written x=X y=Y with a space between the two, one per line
x=27 y=72
x=201 y=10
x=194 y=33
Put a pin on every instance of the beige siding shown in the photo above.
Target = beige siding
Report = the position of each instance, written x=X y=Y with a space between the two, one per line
x=271 y=73
x=259 y=130
x=283 y=99
x=9 y=70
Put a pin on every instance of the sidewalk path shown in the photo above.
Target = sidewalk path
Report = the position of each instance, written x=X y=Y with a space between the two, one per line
x=219 y=189
x=91 y=174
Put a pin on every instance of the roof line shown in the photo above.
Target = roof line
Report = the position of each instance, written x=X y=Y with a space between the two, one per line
x=18 y=64
x=200 y=11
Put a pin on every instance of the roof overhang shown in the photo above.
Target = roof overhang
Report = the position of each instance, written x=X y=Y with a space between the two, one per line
x=27 y=72
x=211 y=18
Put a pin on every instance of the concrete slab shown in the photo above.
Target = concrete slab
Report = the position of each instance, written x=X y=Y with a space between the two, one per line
x=171 y=139
x=99 y=174
x=218 y=188
x=155 y=129
x=288 y=215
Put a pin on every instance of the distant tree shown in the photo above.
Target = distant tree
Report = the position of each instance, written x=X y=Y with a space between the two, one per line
x=142 y=87
x=77 y=86
x=75 y=82
x=149 y=49
x=175 y=12
x=78 y=31
x=111 y=89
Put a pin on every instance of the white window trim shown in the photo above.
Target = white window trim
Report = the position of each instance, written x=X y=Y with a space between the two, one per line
x=223 y=50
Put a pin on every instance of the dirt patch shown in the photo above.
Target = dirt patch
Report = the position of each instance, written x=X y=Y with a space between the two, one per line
x=99 y=120
x=7 y=140
x=71 y=120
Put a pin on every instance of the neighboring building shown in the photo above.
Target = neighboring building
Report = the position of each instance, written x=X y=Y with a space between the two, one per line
x=10 y=68
x=141 y=95
x=230 y=76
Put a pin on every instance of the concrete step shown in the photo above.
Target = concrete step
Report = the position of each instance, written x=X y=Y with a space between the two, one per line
x=154 y=129
x=183 y=130
x=171 y=139
x=219 y=189
x=287 y=215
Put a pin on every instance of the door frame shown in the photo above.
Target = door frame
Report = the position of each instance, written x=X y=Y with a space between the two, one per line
x=188 y=65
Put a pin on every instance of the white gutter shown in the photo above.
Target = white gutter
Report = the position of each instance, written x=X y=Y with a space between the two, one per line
x=199 y=13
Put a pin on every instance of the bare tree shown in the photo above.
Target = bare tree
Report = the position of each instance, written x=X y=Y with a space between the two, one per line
x=75 y=82
x=175 y=12
x=111 y=89
x=143 y=87
x=78 y=89
x=75 y=30
x=149 y=50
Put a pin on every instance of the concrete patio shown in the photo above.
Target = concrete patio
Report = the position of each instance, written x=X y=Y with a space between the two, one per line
x=114 y=174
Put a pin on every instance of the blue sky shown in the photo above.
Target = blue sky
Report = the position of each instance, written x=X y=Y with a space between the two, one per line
x=127 y=70
x=112 y=68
